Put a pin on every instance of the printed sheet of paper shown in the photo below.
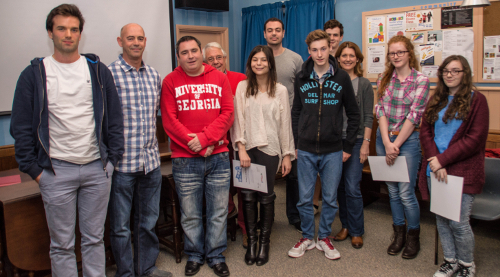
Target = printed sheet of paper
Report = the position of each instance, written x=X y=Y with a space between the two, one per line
x=491 y=58
x=417 y=37
x=436 y=38
x=253 y=177
x=395 y=25
x=430 y=71
x=419 y=20
x=457 y=40
x=426 y=54
x=398 y=172
x=376 y=29
x=376 y=59
x=446 y=199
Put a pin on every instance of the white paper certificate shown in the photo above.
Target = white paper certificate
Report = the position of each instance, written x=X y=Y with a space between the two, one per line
x=446 y=199
x=398 y=172
x=253 y=177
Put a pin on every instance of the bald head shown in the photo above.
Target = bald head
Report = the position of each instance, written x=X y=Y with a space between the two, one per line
x=133 y=42
x=133 y=26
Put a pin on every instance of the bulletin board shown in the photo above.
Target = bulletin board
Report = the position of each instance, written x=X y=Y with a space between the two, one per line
x=378 y=23
x=490 y=29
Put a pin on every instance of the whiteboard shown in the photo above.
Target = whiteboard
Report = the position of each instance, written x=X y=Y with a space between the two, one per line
x=24 y=35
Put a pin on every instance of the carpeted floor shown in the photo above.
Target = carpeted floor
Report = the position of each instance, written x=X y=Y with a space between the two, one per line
x=371 y=260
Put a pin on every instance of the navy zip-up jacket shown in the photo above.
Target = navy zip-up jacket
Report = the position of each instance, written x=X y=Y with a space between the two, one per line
x=29 y=124
x=317 y=112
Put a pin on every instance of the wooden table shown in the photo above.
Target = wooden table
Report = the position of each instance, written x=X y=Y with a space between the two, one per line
x=24 y=228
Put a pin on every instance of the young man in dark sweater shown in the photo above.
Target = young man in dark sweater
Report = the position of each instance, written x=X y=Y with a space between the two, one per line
x=322 y=92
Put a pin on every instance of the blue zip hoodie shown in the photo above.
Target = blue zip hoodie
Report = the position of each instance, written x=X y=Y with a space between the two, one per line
x=29 y=124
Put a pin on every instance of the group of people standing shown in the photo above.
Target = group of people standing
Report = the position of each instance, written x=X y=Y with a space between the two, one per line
x=87 y=134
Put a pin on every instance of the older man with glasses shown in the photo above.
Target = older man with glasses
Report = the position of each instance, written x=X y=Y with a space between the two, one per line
x=214 y=55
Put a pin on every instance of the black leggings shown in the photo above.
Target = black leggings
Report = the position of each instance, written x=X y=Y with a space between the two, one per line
x=270 y=162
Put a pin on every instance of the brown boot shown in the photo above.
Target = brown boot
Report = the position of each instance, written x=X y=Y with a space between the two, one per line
x=342 y=235
x=245 y=241
x=398 y=240
x=357 y=242
x=412 y=244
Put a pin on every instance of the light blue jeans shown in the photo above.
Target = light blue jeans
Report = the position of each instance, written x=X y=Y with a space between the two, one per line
x=402 y=195
x=329 y=167
x=457 y=238
x=143 y=192
x=195 y=178
x=76 y=187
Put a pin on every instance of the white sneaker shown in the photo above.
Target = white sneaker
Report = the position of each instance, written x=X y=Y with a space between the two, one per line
x=327 y=246
x=466 y=269
x=300 y=248
x=447 y=268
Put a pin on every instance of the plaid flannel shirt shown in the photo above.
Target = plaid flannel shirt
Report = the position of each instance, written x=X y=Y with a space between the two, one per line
x=403 y=100
x=315 y=76
x=139 y=92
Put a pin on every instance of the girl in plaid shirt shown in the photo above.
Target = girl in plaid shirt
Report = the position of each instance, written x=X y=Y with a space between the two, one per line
x=403 y=93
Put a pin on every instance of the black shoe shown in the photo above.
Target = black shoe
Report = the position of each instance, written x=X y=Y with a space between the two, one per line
x=192 y=268
x=221 y=269
x=297 y=226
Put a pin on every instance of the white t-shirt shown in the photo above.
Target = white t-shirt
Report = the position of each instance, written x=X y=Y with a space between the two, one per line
x=71 y=111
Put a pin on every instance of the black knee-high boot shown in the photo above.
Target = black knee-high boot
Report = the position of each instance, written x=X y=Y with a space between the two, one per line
x=250 y=214
x=266 y=219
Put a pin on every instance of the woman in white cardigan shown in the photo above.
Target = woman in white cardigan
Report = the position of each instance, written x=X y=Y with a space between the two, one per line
x=262 y=134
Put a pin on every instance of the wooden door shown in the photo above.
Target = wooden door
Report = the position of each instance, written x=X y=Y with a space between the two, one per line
x=206 y=34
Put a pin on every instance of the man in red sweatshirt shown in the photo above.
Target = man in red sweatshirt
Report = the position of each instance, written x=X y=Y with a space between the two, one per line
x=197 y=112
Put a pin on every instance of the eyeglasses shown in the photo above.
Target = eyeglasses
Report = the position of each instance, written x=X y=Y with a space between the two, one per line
x=399 y=53
x=453 y=72
x=218 y=58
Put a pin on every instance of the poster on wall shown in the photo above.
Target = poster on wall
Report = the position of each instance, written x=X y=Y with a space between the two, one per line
x=426 y=54
x=417 y=37
x=376 y=59
x=419 y=20
x=491 y=58
x=456 y=17
x=376 y=29
x=436 y=38
x=395 y=25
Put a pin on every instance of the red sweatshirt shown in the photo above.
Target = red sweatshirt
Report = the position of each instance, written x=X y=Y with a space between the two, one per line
x=234 y=79
x=202 y=105
x=465 y=154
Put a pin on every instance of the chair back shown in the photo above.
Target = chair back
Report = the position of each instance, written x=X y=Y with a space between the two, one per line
x=487 y=204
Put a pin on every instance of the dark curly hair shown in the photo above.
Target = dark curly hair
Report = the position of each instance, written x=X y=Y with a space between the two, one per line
x=460 y=105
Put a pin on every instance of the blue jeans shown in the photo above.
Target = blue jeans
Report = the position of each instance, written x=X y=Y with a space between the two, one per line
x=457 y=238
x=329 y=167
x=349 y=193
x=144 y=191
x=83 y=188
x=195 y=178
x=402 y=195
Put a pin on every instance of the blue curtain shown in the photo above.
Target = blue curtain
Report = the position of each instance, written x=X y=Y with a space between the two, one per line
x=252 y=33
x=300 y=18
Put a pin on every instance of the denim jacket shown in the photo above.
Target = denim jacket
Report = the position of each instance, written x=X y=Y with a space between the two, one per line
x=30 y=117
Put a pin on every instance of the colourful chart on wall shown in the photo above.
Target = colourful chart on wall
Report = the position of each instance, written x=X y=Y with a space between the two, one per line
x=419 y=20
x=376 y=29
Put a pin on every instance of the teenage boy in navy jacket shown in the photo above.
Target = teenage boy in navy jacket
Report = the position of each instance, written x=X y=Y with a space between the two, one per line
x=322 y=92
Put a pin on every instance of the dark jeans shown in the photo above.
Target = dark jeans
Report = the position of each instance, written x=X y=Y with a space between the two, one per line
x=292 y=195
x=144 y=191
x=195 y=178
x=349 y=193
